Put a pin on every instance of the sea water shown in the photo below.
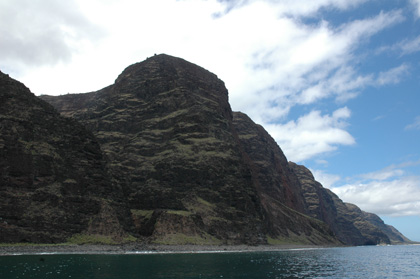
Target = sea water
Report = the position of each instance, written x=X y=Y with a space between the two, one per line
x=349 y=262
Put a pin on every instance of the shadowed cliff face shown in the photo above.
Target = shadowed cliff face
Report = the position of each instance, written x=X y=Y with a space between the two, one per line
x=158 y=155
x=350 y=224
x=166 y=128
x=269 y=163
x=53 y=178
x=278 y=187
x=393 y=234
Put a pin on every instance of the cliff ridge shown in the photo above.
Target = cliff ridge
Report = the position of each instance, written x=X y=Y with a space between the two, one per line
x=159 y=156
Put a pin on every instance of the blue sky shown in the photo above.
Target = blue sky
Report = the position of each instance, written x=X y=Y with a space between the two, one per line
x=335 y=82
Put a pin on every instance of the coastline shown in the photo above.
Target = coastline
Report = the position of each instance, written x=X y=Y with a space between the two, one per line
x=91 y=249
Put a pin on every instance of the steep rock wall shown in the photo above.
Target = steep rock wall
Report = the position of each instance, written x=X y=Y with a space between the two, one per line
x=53 y=177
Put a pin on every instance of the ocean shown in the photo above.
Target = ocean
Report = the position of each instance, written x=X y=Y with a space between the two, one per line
x=349 y=262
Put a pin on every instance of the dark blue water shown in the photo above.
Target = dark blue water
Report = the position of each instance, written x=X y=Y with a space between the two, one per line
x=353 y=262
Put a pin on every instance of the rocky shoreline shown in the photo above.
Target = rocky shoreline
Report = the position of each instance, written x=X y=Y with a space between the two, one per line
x=141 y=249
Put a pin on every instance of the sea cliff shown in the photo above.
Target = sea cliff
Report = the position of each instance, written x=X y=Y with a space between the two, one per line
x=159 y=157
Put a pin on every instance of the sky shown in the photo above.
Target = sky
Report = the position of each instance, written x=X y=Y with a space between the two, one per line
x=335 y=82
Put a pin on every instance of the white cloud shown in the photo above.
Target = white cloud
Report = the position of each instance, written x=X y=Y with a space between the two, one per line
x=344 y=84
x=410 y=46
x=269 y=58
x=416 y=4
x=397 y=197
x=312 y=134
x=364 y=28
x=415 y=125
x=392 y=76
x=298 y=8
x=379 y=117
x=327 y=180
x=36 y=34
x=383 y=174
x=312 y=63
x=259 y=49
x=389 y=191
x=404 y=47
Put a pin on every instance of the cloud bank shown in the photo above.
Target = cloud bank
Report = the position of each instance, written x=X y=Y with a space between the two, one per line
x=390 y=191
x=416 y=5
x=272 y=55
x=37 y=34
x=313 y=134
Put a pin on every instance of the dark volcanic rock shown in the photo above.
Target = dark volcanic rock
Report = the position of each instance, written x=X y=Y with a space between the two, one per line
x=324 y=205
x=393 y=234
x=53 y=178
x=351 y=225
x=166 y=127
x=278 y=187
x=158 y=155
x=271 y=167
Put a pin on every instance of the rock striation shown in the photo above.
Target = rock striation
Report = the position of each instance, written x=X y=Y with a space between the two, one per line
x=281 y=196
x=158 y=156
x=167 y=129
x=53 y=176
x=350 y=224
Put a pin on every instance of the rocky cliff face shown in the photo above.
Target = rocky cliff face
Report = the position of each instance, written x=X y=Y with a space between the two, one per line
x=350 y=224
x=392 y=233
x=167 y=128
x=53 y=179
x=278 y=187
x=160 y=156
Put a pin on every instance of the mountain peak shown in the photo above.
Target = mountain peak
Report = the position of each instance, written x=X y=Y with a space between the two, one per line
x=176 y=82
x=162 y=157
x=168 y=67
